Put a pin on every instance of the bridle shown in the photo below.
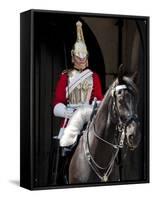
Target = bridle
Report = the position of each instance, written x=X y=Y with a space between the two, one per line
x=122 y=125
x=121 y=129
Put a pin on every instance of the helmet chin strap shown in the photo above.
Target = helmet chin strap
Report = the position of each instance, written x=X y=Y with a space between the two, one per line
x=80 y=67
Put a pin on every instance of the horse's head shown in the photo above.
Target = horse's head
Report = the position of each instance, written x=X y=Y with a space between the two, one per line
x=124 y=109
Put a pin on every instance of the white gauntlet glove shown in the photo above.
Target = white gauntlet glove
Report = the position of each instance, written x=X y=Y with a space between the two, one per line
x=69 y=112
x=60 y=110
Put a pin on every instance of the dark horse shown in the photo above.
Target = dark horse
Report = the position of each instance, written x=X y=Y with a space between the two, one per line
x=113 y=127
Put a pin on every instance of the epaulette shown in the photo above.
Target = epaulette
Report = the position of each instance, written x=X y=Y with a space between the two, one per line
x=66 y=71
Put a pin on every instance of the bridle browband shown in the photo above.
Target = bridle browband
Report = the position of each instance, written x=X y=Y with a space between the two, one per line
x=121 y=129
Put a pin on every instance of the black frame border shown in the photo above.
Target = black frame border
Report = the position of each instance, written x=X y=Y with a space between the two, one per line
x=27 y=98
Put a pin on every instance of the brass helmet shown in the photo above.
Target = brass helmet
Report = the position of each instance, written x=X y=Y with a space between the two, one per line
x=80 y=48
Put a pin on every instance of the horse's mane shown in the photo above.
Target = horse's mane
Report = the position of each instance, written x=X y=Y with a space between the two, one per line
x=109 y=92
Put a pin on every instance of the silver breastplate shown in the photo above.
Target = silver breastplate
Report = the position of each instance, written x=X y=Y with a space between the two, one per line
x=81 y=93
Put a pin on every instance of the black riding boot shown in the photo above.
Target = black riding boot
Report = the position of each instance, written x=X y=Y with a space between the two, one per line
x=66 y=151
x=65 y=156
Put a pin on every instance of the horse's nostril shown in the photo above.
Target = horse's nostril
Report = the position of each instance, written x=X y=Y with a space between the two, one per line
x=120 y=100
x=130 y=126
x=131 y=139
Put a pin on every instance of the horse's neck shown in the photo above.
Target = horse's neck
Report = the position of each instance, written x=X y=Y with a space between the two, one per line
x=101 y=124
x=102 y=119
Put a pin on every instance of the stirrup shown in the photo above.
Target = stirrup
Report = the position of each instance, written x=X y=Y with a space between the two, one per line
x=66 y=150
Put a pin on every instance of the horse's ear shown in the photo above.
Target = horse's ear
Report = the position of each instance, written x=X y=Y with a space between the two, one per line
x=121 y=73
x=134 y=77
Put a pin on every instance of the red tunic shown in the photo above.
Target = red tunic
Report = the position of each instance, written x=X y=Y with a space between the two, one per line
x=60 y=92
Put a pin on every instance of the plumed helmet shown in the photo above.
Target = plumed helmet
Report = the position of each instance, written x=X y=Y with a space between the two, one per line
x=80 y=48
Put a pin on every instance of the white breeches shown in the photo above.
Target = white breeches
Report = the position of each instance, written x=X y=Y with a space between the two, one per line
x=75 y=125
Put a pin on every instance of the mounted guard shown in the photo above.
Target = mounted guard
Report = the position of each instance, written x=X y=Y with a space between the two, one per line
x=75 y=92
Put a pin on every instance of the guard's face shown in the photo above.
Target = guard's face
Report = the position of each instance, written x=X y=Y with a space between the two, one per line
x=80 y=63
x=80 y=55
